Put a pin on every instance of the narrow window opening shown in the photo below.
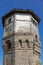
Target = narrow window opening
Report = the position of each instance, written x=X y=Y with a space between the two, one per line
x=27 y=43
x=36 y=38
x=33 y=21
x=8 y=44
x=9 y=21
x=20 y=42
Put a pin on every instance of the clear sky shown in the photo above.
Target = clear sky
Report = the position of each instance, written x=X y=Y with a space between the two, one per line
x=7 y=5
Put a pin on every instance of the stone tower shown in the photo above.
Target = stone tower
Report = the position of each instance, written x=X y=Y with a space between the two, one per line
x=21 y=42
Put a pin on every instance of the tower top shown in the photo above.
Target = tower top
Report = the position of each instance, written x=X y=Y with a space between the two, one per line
x=23 y=11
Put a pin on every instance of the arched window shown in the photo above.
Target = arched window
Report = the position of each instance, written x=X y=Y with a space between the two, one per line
x=27 y=42
x=8 y=44
x=20 y=41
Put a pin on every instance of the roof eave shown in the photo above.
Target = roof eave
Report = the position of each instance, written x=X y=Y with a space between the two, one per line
x=20 y=11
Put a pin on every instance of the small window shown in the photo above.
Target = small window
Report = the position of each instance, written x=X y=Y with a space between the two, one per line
x=36 y=38
x=20 y=41
x=9 y=21
x=33 y=21
x=8 y=44
x=27 y=42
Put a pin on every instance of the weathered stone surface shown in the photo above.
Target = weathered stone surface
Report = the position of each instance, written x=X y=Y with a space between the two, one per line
x=22 y=32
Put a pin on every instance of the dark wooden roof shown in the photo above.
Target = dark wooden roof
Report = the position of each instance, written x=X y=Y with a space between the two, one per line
x=22 y=11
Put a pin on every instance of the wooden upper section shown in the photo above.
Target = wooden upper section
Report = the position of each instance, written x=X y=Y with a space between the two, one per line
x=21 y=11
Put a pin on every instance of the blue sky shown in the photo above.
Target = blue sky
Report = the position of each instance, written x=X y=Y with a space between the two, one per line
x=7 y=5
